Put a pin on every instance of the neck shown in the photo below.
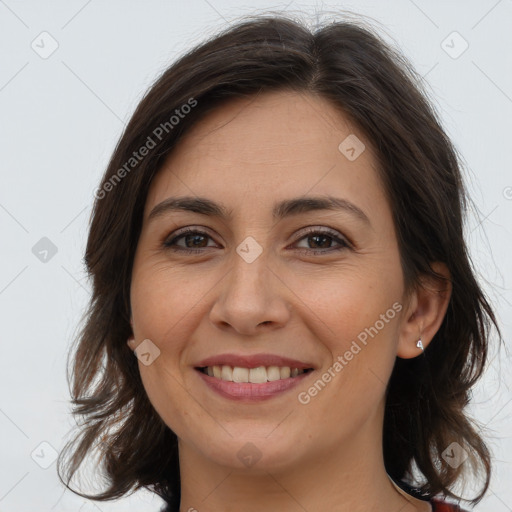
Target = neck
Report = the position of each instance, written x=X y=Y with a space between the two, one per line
x=351 y=478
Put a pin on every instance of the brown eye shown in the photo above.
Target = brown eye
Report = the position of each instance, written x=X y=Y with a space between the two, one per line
x=193 y=241
x=320 y=242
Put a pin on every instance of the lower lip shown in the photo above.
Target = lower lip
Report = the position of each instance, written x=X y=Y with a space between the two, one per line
x=247 y=391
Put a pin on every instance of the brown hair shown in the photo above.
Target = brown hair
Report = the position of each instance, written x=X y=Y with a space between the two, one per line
x=349 y=65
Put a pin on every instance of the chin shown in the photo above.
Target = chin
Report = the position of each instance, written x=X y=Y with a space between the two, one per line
x=251 y=453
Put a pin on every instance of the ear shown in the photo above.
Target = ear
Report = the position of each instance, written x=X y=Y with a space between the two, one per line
x=425 y=312
x=131 y=342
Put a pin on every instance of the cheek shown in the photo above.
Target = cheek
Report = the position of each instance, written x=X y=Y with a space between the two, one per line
x=341 y=305
x=163 y=300
x=355 y=316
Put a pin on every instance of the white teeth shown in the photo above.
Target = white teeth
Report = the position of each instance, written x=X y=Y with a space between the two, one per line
x=273 y=373
x=240 y=374
x=285 y=372
x=257 y=375
x=226 y=373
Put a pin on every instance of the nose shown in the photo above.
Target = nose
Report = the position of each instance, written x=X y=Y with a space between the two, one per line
x=251 y=299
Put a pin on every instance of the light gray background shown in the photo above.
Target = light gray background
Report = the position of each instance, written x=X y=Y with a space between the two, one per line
x=60 y=119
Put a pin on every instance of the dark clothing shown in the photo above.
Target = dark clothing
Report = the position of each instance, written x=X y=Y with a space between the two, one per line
x=438 y=505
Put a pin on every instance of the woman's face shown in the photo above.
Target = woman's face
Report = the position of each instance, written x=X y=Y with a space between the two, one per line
x=275 y=282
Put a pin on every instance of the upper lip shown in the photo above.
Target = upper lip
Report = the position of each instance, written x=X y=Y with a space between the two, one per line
x=253 y=361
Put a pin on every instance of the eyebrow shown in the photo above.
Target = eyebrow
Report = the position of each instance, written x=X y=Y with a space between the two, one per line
x=286 y=208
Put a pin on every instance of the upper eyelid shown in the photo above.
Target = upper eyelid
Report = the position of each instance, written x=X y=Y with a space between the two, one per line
x=302 y=233
x=185 y=231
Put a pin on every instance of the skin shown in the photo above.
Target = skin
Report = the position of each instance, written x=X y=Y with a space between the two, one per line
x=326 y=454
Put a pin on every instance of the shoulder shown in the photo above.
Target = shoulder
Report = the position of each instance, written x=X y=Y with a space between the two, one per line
x=169 y=507
x=439 y=505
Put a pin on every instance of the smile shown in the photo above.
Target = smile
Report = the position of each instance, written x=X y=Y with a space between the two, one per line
x=258 y=375
x=244 y=390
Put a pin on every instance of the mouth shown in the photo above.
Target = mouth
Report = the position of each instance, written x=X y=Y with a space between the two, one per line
x=252 y=378
x=258 y=375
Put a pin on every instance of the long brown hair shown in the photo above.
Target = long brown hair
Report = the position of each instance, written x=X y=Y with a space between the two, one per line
x=348 y=64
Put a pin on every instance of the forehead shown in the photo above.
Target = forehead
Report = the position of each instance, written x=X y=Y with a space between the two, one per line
x=279 y=144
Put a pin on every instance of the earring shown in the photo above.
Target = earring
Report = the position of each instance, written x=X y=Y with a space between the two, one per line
x=419 y=344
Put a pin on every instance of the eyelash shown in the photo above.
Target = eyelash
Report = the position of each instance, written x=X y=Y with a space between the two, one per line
x=344 y=244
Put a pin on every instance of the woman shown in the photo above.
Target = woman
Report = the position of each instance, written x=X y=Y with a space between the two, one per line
x=278 y=239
